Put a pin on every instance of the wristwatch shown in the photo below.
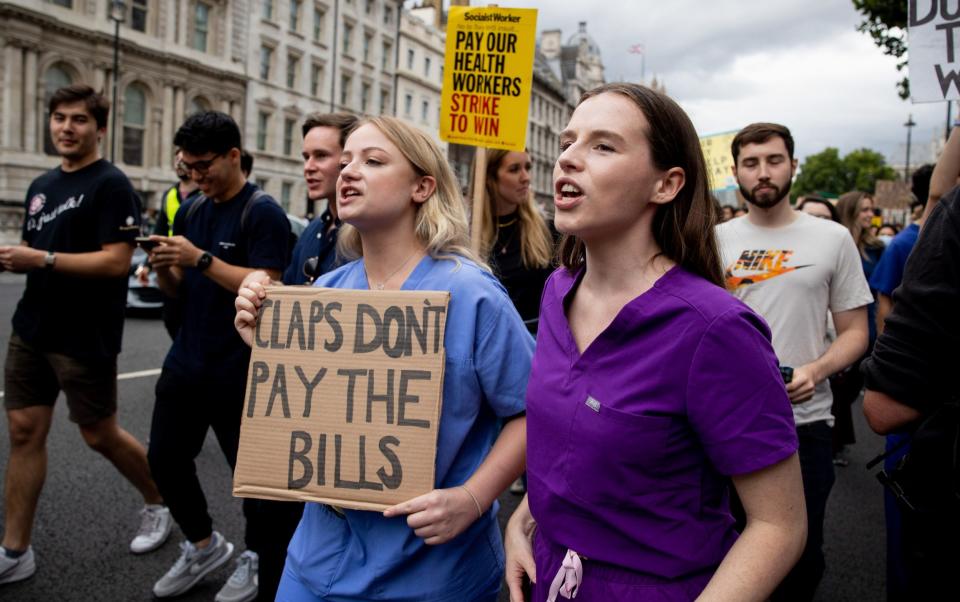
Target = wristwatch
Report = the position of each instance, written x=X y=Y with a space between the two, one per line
x=49 y=259
x=205 y=260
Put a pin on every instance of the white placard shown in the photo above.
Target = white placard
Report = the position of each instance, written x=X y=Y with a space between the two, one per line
x=934 y=50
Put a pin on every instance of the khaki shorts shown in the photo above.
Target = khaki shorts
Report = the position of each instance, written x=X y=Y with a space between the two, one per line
x=35 y=378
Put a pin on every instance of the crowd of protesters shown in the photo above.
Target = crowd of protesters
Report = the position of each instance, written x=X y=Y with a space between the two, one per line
x=675 y=379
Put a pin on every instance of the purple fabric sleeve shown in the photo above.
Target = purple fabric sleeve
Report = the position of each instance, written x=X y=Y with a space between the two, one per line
x=736 y=399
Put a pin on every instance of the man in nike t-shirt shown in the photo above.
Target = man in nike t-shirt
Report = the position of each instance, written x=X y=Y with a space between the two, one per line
x=792 y=269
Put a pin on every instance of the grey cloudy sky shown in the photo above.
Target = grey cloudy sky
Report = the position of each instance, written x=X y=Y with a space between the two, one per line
x=798 y=62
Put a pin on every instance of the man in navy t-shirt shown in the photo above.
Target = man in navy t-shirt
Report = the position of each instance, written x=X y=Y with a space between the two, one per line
x=218 y=238
x=78 y=232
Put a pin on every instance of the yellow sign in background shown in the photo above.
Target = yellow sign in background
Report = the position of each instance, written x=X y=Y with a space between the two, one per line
x=716 y=151
x=487 y=76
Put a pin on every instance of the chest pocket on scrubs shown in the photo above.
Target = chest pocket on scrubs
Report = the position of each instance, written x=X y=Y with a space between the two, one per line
x=613 y=457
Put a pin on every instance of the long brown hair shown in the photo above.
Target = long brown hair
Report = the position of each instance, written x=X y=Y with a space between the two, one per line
x=848 y=206
x=536 y=244
x=682 y=228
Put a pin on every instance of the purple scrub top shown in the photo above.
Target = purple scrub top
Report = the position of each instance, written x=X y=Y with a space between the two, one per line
x=629 y=445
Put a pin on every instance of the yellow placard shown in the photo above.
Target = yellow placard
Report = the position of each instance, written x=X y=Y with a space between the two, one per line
x=716 y=151
x=487 y=76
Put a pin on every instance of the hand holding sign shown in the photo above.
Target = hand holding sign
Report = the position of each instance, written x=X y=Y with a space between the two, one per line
x=249 y=299
x=438 y=516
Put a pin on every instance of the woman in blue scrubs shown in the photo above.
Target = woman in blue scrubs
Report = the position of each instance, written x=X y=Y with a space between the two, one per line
x=407 y=229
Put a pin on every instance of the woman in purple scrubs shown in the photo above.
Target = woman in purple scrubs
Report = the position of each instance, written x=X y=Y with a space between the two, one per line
x=651 y=387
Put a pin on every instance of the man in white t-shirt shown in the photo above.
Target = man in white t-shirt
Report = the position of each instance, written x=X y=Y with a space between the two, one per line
x=792 y=268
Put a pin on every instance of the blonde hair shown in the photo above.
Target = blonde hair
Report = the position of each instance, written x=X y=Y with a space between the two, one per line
x=848 y=207
x=536 y=243
x=441 y=221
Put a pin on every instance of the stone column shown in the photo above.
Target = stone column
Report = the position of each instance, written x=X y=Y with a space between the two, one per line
x=30 y=101
x=13 y=98
x=167 y=125
x=179 y=107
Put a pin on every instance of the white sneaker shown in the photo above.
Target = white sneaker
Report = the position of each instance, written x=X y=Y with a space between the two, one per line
x=243 y=584
x=193 y=565
x=17 y=569
x=155 y=523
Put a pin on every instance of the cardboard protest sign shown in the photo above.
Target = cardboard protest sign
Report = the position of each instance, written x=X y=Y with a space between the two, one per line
x=487 y=76
x=719 y=158
x=343 y=397
x=933 y=31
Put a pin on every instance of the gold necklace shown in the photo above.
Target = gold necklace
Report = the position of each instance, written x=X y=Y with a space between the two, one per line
x=380 y=286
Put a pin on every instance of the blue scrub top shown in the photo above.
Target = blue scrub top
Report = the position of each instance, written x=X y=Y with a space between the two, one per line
x=364 y=556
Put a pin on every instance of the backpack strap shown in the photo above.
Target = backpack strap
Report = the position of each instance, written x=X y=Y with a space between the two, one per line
x=193 y=208
x=258 y=194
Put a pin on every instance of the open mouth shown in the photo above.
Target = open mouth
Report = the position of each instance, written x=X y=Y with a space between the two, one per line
x=569 y=191
x=348 y=192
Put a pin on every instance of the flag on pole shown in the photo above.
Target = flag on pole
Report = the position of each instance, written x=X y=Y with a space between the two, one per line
x=636 y=49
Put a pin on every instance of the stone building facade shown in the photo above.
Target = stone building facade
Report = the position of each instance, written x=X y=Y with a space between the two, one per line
x=175 y=56
x=313 y=55
x=420 y=71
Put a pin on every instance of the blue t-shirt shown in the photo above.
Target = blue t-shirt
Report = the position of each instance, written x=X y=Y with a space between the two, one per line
x=207 y=343
x=318 y=240
x=889 y=271
x=365 y=556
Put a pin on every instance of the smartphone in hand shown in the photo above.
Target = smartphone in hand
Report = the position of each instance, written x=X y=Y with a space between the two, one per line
x=145 y=243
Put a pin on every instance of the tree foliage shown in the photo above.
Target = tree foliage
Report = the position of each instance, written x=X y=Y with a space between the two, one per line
x=886 y=22
x=827 y=173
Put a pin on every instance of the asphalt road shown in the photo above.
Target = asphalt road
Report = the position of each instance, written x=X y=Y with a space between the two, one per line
x=88 y=513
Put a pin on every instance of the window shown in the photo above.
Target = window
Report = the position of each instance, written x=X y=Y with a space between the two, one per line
x=410 y=58
x=387 y=15
x=201 y=24
x=266 y=9
x=266 y=57
x=364 y=97
x=347 y=34
x=345 y=81
x=426 y=66
x=294 y=15
x=408 y=105
x=263 y=122
x=316 y=77
x=425 y=111
x=64 y=3
x=385 y=57
x=293 y=65
x=54 y=79
x=262 y=183
x=367 y=39
x=286 y=191
x=318 y=15
x=288 y=125
x=134 y=124
x=369 y=7
x=138 y=15
x=384 y=101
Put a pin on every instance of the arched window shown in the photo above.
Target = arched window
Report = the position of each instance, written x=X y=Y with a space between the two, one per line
x=134 y=124
x=197 y=104
x=55 y=78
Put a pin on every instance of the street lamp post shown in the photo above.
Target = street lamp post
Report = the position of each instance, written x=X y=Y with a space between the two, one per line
x=118 y=14
x=909 y=125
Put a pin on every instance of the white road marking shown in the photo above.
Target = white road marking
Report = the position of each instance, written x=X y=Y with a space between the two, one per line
x=128 y=375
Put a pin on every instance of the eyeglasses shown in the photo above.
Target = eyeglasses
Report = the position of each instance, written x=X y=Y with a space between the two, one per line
x=201 y=167
x=311 y=268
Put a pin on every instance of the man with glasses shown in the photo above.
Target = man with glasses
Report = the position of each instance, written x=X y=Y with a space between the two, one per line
x=218 y=238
